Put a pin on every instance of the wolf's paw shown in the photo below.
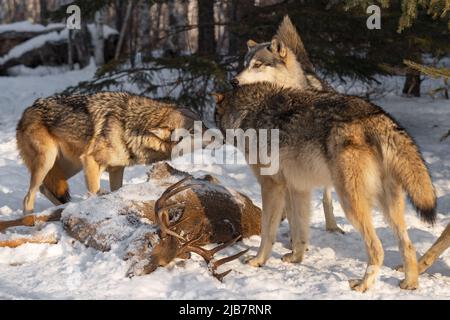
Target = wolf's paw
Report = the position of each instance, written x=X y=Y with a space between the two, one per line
x=335 y=229
x=409 y=285
x=358 y=285
x=292 y=258
x=254 y=261
x=102 y=192
x=399 y=268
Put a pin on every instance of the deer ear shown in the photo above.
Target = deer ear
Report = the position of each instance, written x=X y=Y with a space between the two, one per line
x=251 y=44
x=218 y=97
x=278 y=46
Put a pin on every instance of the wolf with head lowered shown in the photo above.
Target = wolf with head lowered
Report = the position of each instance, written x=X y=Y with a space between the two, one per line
x=59 y=136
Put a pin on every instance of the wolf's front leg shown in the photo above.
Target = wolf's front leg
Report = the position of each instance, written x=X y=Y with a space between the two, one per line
x=115 y=178
x=273 y=200
x=92 y=172
x=299 y=224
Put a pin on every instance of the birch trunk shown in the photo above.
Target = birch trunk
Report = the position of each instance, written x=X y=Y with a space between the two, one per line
x=70 y=49
x=144 y=29
x=206 y=38
x=123 y=30
x=99 y=38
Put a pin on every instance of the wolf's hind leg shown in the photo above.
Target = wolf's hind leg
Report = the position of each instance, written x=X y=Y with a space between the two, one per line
x=330 y=220
x=273 y=198
x=357 y=181
x=393 y=204
x=40 y=166
x=299 y=217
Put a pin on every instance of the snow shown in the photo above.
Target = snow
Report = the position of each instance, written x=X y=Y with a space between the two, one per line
x=33 y=43
x=27 y=26
x=69 y=270
x=107 y=30
x=39 y=41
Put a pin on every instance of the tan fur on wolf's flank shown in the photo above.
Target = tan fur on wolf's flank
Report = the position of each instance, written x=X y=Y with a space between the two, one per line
x=59 y=136
x=326 y=138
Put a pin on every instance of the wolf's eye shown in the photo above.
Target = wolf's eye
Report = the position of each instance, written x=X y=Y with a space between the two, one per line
x=257 y=65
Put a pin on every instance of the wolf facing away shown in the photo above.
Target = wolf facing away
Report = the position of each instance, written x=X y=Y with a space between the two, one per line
x=284 y=61
x=59 y=136
x=330 y=139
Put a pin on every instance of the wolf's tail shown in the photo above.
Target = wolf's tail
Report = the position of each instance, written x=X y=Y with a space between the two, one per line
x=406 y=163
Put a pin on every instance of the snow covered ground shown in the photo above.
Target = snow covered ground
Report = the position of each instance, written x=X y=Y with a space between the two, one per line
x=68 y=270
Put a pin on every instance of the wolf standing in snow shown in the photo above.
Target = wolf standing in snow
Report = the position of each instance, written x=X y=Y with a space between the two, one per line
x=59 y=136
x=284 y=61
x=330 y=139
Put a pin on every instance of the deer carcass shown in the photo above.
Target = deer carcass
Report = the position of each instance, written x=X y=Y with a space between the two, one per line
x=151 y=224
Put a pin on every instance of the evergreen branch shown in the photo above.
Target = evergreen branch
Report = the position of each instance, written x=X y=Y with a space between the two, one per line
x=435 y=73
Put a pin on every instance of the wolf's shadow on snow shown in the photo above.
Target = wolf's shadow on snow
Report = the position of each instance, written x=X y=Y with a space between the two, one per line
x=351 y=245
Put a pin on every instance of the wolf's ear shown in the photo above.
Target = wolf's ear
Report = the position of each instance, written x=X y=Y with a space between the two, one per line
x=251 y=44
x=278 y=46
x=218 y=97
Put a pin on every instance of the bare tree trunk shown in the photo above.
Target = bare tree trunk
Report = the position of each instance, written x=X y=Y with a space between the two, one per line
x=124 y=29
x=206 y=39
x=181 y=11
x=19 y=10
x=99 y=39
x=119 y=8
x=155 y=27
x=192 y=34
x=412 y=83
x=238 y=11
x=175 y=42
x=43 y=11
x=144 y=29
x=221 y=11
x=81 y=43
x=132 y=38
x=170 y=48
x=70 y=49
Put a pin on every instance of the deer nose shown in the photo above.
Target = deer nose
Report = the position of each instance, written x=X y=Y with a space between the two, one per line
x=234 y=82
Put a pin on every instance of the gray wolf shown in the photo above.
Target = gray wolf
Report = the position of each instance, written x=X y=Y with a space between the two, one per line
x=59 y=136
x=330 y=139
x=284 y=61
